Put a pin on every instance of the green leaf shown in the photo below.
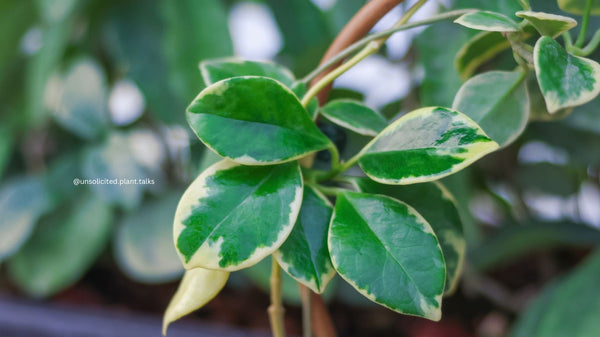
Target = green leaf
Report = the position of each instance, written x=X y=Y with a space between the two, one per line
x=537 y=107
x=488 y=21
x=436 y=46
x=586 y=117
x=571 y=308
x=232 y=216
x=424 y=145
x=214 y=71
x=565 y=80
x=304 y=255
x=197 y=288
x=354 y=116
x=513 y=242
x=254 y=121
x=548 y=24
x=143 y=244
x=22 y=202
x=134 y=34
x=81 y=106
x=498 y=101
x=577 y=6
x=56 y=10
x=435 y=203
x=41 y=66
x=547 y=178
x=195 y=30
x=110 y=164
x=478 y=50
x=15 y=18
x=389 y=253
x=62 y=248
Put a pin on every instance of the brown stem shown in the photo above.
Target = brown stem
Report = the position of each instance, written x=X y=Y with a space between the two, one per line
x=359 y=26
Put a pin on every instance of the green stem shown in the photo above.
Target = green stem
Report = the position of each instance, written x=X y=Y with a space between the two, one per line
x=331 y=191
x=525 y=5
x=386 y=33
x=341 y=168
x=584 y=24
x=568 y=40
x=370 y=49
x=305 y=296
x=335 y=156
x=590 y=48
x=276 y=310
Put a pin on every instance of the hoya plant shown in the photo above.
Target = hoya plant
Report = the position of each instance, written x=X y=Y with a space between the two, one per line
x=389 y=228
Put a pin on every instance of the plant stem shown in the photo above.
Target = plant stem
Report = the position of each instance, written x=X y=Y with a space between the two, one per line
x=341 y=168
x=584 y=24
x=386 y=33
x=590 y=48
x=305 y=296
x=371 y=48
x=331 y=191
x=276 y=310
x=525 y=5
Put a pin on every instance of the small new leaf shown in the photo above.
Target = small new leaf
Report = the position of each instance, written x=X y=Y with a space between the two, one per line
x=354 y=116
x=254 y=121
x=548 y=24
x=232 y=216
x=488 y=21
x=197 y=288
x=424 y=145
x=389 y=253
x=304 y=255
x=565 y=80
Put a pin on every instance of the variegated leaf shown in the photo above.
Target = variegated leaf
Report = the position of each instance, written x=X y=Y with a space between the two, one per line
x=304 y=255
x=488 y=21
x=254 y=121
x=424 y=145
x=478 y=50
x=548 y=24
x=354 y=116
x=232 y=216
x=564 y=79
x=389 y=253
x=197 y=288
x=435 y=203
x=498 y=101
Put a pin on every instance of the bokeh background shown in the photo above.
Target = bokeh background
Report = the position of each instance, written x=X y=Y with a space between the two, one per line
x=97 y=89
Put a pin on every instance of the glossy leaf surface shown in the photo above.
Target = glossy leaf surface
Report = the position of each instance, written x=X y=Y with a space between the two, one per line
x=565 y=80
x=232 y=216
x=548 y=24
x=22 y=202
x=197 y=288
x=478 y=50
x=488 y=21
x=304 y=255
x=354 y=116
x=222 y=69
x=424 y=145
x=498 y=101
x=143 y=243
x=48 y=263
x=254 y=121
x=577 y=6
x=557 y=318
x=435 y=203
x=388 y=252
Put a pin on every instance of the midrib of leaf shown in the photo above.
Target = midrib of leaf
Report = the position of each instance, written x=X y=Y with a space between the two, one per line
x=387 y=250
x=511 y=90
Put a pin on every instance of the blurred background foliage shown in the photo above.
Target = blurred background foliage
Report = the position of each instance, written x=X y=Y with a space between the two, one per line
x=94 y=89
